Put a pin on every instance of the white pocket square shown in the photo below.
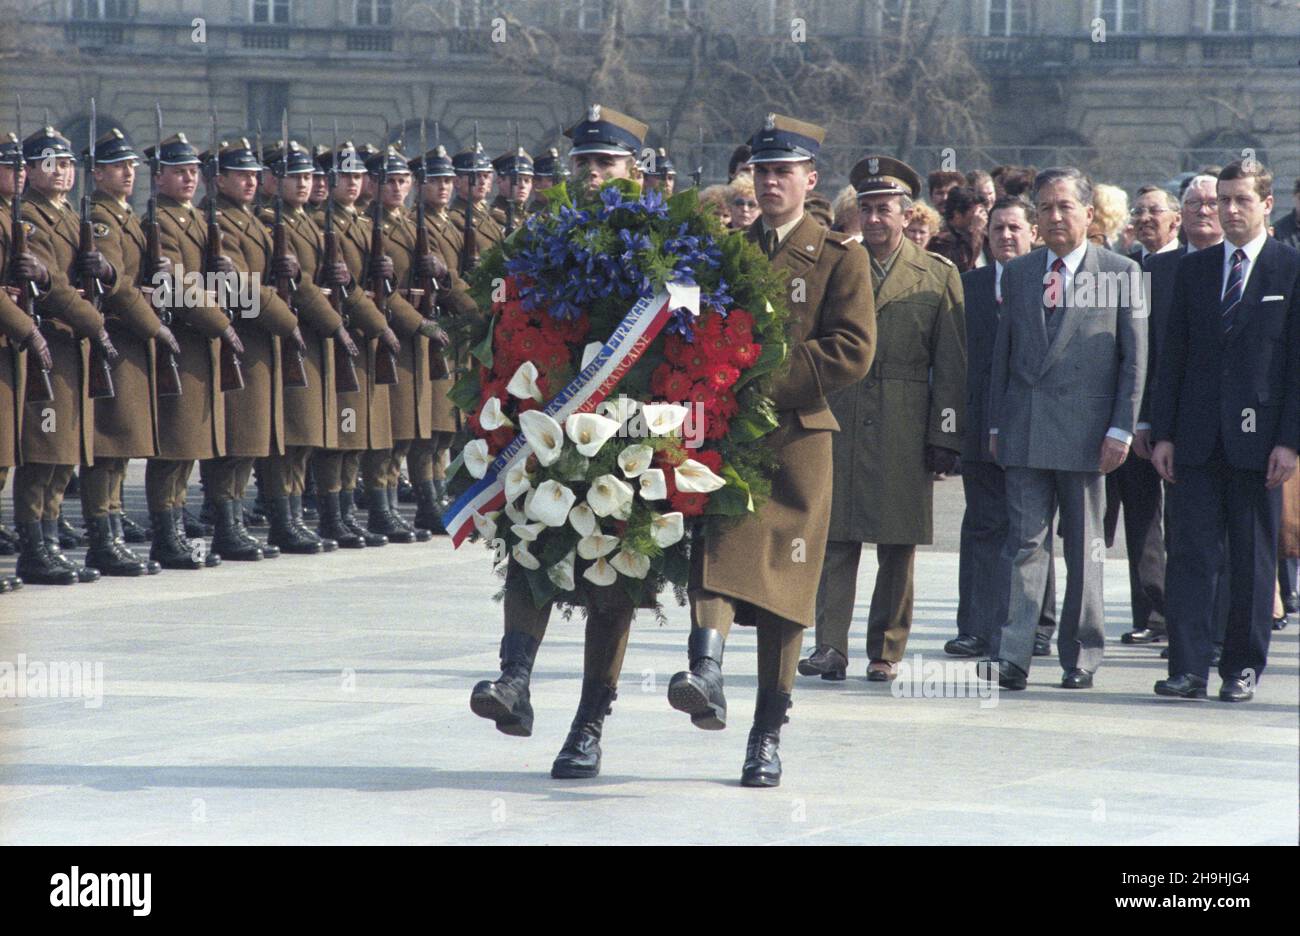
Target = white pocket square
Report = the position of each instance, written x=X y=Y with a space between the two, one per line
x=1272 y=298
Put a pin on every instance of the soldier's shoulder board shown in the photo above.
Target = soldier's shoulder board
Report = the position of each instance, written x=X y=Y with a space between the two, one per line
x=839 y=237
x=941 y=258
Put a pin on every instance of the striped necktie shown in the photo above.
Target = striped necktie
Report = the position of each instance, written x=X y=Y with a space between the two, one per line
x=1056 y=287
x=1232 y=292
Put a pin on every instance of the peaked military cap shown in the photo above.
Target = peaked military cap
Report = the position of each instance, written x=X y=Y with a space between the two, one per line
x=606 y=131
x=884 y=175
x=320 y=158
x=437 y=164
x=391 y=158
x=299 y=162
x=550 y=164
x=784 y=139
x=11 y=151
x=516 y=161
x=475 y=160
x=663 y=165
x=236 y=156
x=46 y=142
x=113 y=147
x=176 y=151
x=347 y=160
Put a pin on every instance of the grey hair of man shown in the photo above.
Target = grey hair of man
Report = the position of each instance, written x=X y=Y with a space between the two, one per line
x=1082 y=184
x=1201 y=180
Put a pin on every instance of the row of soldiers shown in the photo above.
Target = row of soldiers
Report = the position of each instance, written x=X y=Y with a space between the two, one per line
x=327 y=357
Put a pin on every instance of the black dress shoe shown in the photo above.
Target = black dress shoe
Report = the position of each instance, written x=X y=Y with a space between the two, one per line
x=1164 y=654
x=1182 y=686
x=1077 y=679
x=1006 y=674
x=1042 y=645
x=1216 y=654
x=1143 y=635
x=826 y=662
x=1279 y=623
x=966 y=646
x=1236 y=689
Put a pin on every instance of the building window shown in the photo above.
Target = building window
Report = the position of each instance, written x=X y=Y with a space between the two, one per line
x=270 y=12
x=1230 y=16
x=374 y=12
x=678 y=12
x=102 y=9
x=1120 y=16
x=1007 y=18
x=584 y=15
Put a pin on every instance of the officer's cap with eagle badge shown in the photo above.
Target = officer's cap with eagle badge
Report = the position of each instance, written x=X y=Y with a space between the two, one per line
x=176 y=151
x=884 y=175
x=607 y=132
x=784 y=139
x=392 y=159
x=300 y=161
x=513 y=161
x=11 y=151
x=437 y=164
x=113 y=147
x=236 y=155
x=44 y=143
x=550 y=165
x=469 y=161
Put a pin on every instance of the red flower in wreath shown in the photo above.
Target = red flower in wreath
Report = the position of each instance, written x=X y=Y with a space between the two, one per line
x=709 y=458
x=721 y=377
x=745 y=354
x=689 y=503
x=669 y=383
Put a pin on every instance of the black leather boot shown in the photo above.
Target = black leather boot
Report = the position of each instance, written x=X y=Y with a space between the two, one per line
x=168 y=550
x=506 y=700
x=421 y=535
x=107 y=555
x=50 y=526
x=69 y=537
x=195 y=528
x=8 y=541
x=35 y=565
x=10 y=583
x=117 y=521
x=580 y=756
x=196 y=546
x=226 y=539
x=269 y=551
x=380 y=518
x=428 y=514
x=348 y=516
x=405 y=490
x=699 y=692
x=762 y=763
x=129 y=530
x=332 y=526
x=296 y=518
x=285 y=534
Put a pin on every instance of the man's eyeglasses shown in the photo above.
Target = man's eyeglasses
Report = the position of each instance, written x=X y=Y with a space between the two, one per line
x=1143 y=212
x=1196 y=204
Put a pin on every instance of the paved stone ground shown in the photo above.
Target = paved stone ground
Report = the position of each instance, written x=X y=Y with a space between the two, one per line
x=326 y=701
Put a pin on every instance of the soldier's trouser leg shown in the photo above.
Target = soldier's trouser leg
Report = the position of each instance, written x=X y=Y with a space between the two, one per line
x=779 y=644
x=221 y=478
x=374 y=468
x=117 y=495
x=163 y=477
x=424 y=461
x=59 y=479
x=98 y=484
x=890 y=618
x=605 y=644
x=393 y=470
x=327 y=468
x=351 y=469
x=286 y=474
x=521 y=614
x=31 y=482
x=836 y=594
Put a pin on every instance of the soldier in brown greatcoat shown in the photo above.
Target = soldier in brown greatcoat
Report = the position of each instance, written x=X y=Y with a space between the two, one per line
x=514 y=171
x=473 y=182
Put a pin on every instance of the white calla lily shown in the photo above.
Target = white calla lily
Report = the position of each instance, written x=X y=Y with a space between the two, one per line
x=486 y=524
x=524 y=383
x=621 y=408
x=561 y=574
x=635 y=459
x=696 y=478
x=597 y=545
x=654 y=484
x=515 y=513
x=583 y=519
x=550 y=504
x=668 y=528
x=528 y=532
x=518 y=481
x=524 y=557
x=610 y=497
x=476 y=458
x=589 y=353
x=664 y=418
x=632 y=564
x=600 y=572
x=544 y=435
x=589 y=431
x=490 y=416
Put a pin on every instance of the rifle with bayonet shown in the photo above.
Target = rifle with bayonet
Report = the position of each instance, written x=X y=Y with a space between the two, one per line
x=168 y=374
x=345 y=371
x=380 y=286
x=514 y=184
x=698 y=172
x=39 y=387
x=102 y=352
x=232 y=370
x=469 y=243
x=427 y=305
x=292 y=365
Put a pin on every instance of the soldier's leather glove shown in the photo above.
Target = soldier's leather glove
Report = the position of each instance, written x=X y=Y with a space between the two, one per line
x=337 y=274
x=164 y=266
x=106 y=344
x=389 y=340
x=381 y=267
x=92 y=265
x=27 y=267
x=431 y=266
x=230 y=337
x=36 y=342
x=223 y=264
x=296 y=338
x=343 y=338
x=168 y=339
x=940 y=460
x=286 y=267
x=433 y=331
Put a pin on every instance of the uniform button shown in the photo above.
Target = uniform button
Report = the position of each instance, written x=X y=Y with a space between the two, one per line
x=866 y=422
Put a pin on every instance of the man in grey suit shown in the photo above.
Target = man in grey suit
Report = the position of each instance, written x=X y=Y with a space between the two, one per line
x=1069 y=364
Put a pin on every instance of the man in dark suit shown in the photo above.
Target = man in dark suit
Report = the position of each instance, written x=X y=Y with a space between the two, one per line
x=1226 y=423
x=983 y=572
x=1287 y=229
